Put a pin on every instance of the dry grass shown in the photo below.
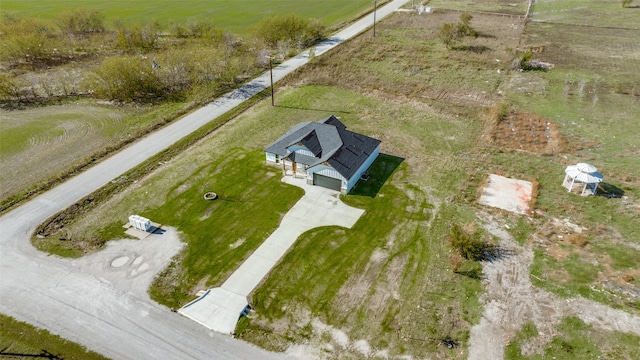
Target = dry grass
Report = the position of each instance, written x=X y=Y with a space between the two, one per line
x=407 y=62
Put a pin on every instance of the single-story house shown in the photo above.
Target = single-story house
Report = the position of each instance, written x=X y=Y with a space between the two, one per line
x=325 y=153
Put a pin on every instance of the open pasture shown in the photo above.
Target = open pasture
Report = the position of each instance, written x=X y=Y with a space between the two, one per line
x=236 y=16
x=42 y=143
x=603 y=14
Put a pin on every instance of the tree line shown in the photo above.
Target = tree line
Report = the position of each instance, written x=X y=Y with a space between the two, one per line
x=138 y=62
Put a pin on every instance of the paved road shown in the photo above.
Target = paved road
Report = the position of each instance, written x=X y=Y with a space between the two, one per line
x=51 y=293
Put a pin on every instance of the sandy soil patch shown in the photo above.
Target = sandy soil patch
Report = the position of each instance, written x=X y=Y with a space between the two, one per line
x=511 y=300
x=508 y=194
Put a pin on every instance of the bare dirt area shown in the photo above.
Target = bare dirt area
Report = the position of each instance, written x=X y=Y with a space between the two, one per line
x=528 y=132
x=510 y=300
x=560 y=239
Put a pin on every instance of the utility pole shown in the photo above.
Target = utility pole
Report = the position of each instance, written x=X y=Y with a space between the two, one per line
x=271 y=77
x=374 y=17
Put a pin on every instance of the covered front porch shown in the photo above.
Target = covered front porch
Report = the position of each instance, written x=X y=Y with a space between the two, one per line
x=291 y=168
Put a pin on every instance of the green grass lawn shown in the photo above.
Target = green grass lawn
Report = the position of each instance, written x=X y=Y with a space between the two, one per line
x=236 y=16
x=19 y=340
x=223 y=232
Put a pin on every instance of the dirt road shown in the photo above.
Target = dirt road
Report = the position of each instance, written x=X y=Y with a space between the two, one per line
x=510 y=300
x=86 y=303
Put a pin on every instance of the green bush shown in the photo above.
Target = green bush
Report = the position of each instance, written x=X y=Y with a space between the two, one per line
x=81 y=21
x=452 y=33
x=136 y=37
x=292 y=28
x=126 y=78
x=468 y=244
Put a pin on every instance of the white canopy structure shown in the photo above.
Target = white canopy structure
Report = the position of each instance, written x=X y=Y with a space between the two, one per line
x=582 y=174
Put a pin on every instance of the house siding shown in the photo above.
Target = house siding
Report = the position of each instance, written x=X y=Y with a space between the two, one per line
x=271 y=157
x=354 y=179
x=300 y=150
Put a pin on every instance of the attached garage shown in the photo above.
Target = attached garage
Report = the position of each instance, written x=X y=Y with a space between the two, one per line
x=328 y=182
x=325 y=153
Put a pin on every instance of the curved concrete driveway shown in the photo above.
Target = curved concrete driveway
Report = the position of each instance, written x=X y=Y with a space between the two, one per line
x=51 y=293
x=219 y=308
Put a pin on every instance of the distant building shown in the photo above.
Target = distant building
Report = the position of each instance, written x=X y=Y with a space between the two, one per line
x=325 y=153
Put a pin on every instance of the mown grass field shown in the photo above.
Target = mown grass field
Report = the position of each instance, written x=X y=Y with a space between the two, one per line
x=19 y=340
x=604 y=14
x=518 y=7
x=236 y=16
x=43 y=143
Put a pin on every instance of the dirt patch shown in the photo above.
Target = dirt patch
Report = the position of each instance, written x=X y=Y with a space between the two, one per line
x=237 y=243
x=511 y=300
x=528 y=132
x=201 y=285
x=560 y=239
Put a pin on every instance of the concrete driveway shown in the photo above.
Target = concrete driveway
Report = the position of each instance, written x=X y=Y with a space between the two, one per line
x=219 y=308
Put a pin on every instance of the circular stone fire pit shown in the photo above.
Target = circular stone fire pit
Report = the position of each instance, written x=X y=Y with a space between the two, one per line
x=210 y=196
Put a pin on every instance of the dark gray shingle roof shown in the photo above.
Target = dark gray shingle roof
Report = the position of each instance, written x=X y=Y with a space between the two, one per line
x=330 y=142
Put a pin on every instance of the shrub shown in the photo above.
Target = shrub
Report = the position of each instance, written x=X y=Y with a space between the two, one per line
x=81 y=21
x=178 y=30
x=448 y=34
x=28 y=40
x=136 y=37
x=292 y=28
x=468 y=244
x=451 y=33
x=9 y=89
x=126 y=78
